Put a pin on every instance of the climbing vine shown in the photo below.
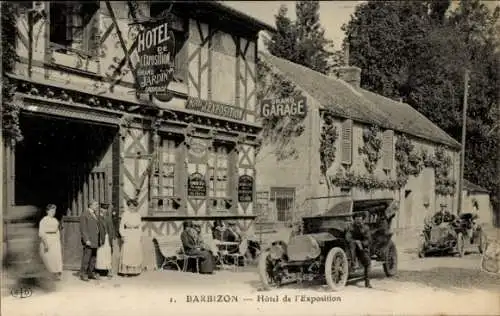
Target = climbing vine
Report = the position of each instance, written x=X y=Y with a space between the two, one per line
x=442 y=164
x=11 y=110
x=409 y=162
x=279 y=131
x=372 y=144
x=368 y=182
x=327 y=147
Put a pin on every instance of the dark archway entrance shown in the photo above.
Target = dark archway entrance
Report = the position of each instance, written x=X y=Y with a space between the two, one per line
x=67 y=163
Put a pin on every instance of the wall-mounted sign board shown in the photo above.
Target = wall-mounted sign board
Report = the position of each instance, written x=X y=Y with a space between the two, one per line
x=281 y=107
x=197 y=185
x=155 y=49
x=214 y=108
x=245 y=188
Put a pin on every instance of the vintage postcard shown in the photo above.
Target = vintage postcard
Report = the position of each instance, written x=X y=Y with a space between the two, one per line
x=250 y=158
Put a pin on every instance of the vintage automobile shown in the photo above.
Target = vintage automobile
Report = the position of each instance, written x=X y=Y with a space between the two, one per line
x=321 y=252
x=22 y=262
x=473 y=233
x=446 y=233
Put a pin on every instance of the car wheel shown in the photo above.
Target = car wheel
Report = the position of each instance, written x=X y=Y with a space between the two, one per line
x=336 y=269
x=265 y=268
x=391 y=260
x=460 y=244
x=482 y=242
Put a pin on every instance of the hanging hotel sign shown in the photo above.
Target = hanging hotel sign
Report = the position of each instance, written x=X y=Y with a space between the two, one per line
x=280 y=107
x=155 y=49
x=214 y=108
x=245 y=188
x=197 y=185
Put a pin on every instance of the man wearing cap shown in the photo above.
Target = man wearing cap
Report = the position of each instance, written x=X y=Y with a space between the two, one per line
x=359 y=238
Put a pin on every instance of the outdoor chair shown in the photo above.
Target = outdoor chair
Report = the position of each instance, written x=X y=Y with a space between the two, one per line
x=168 y=250
x=241 y=254
x=185 y=257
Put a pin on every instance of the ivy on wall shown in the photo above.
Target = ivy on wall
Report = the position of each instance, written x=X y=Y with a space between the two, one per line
x=372 y=144
x=278 y=131
x=11 y=110
x=366 y=182
x=409 y=162
x=327 y=147
x=442 y=164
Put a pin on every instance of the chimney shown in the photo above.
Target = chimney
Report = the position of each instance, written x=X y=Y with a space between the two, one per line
x=347 y=73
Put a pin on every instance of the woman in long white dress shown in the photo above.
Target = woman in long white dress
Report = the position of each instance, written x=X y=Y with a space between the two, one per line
x=50 y=242
x=130 y=230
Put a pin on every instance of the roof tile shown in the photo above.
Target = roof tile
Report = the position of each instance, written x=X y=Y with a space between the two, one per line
x=360 y=105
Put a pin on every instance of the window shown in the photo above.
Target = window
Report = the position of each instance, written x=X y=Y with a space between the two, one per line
x=73 y=27
x=218 y=172
x=388 y=150
x=219 y=177
x=284 y=203
x=347 y=142
x=164 y=175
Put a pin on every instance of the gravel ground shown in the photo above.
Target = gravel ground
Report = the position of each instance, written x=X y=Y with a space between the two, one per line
x=434 y=285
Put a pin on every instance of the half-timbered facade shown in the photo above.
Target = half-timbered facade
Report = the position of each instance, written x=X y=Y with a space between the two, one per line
x=88 y=134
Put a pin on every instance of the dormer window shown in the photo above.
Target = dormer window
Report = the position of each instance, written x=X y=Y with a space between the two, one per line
x=73 y=27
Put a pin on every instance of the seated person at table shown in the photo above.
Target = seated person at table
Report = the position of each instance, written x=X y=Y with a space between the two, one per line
x=231 y=234
x=191 y=244
x=218 y=230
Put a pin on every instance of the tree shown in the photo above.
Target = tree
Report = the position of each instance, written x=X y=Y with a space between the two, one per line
x=10 y=111
x=302 y=41
x=418 y=51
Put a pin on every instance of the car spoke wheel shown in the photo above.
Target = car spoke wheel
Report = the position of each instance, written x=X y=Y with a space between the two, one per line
x=460 y=244
x=391 y=260
x=336 y=269
x=265 y=268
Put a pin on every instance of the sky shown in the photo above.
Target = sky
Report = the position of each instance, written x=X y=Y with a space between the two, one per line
x=332 y=14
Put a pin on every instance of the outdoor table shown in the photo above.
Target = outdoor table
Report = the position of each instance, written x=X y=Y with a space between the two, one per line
x=223 y=246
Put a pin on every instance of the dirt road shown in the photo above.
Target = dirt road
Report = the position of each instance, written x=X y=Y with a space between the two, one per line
x=432 y=285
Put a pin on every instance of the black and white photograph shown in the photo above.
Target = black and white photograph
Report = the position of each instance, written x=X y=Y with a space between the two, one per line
x=250 y=158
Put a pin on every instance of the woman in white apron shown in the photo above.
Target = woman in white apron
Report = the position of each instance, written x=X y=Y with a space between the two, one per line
x=104 y=257
x=130 y=231
x=50 y=242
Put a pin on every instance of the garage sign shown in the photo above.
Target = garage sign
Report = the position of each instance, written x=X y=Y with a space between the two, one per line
x=281 y=107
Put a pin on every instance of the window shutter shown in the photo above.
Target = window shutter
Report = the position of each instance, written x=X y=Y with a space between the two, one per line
x=347 y=142
x=388 y=151
x=91 y=42
x=181 y=57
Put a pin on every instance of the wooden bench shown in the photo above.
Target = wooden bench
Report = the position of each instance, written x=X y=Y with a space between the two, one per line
x=169 y=249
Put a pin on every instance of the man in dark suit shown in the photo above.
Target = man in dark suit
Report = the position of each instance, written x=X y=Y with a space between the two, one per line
x=191 y=245
x=92 y=236
x=359 y=238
